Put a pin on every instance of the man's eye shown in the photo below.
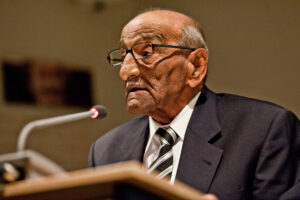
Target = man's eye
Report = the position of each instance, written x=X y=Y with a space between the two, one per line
x=146 y=53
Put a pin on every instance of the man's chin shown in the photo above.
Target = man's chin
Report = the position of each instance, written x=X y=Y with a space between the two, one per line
x=136 y=107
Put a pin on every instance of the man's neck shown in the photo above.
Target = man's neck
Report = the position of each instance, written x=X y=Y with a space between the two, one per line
x=167 y=113
x=164 y=119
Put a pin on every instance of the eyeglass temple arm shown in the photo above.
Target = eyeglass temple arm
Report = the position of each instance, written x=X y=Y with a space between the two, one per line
x=171 y=46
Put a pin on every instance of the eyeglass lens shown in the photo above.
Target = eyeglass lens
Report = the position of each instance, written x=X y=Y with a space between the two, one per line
x=140 y=50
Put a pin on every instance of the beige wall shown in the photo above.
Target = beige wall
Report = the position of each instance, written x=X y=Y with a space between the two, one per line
x=254 y=52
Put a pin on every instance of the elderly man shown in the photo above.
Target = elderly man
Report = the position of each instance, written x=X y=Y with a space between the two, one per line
x=234 y=147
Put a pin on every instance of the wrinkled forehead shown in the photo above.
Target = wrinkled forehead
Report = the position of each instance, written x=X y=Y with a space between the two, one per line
x=143 y=33
x=151 y=29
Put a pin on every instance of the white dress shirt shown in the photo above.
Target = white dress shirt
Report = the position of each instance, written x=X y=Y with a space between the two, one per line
x=179 y=125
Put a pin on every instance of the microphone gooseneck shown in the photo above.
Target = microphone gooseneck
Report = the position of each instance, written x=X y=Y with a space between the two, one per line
x=96 y=112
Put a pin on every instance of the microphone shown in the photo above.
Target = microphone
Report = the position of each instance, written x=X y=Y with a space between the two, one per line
x=96 y=112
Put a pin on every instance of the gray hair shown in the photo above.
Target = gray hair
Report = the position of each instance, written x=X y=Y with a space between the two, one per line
x=193 y=36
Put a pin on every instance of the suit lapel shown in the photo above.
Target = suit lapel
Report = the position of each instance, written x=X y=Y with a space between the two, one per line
x=199 y=158
x=134 y=146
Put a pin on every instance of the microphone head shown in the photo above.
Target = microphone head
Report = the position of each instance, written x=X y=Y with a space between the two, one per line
x=99 y=112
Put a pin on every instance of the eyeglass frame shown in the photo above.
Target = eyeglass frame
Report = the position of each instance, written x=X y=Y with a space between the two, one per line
x=152 y=45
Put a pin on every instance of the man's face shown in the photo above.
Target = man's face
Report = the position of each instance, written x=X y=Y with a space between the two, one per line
x=156 y=85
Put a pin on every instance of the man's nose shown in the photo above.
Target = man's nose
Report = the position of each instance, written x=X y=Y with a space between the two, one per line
x=129 y=68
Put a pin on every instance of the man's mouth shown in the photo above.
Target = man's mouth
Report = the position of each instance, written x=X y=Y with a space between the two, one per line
x=134 y=87
x=136 y=90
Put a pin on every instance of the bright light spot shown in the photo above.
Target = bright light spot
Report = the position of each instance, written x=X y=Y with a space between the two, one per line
x=96 y=113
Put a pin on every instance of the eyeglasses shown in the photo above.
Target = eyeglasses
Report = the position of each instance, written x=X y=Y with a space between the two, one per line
x=138 y=51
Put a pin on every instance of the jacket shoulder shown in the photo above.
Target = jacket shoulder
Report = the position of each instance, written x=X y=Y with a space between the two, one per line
x=239 y=104
x=108 y=148
x=121 y=131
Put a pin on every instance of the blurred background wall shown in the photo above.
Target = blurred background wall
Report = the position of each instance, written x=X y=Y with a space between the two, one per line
x=254 y=51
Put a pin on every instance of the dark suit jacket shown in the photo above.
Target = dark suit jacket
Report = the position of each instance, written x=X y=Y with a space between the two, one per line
x=235 y=147
x=292 y=194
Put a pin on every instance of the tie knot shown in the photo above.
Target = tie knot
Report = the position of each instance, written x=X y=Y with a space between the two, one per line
x=168 y=135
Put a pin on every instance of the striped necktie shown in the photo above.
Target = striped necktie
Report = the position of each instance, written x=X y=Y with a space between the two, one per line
x=164 y=161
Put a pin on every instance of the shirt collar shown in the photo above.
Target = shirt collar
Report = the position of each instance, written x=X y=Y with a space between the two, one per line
x=179 y=123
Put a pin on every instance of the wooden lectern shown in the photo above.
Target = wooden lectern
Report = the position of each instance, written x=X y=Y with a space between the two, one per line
x=127 y=180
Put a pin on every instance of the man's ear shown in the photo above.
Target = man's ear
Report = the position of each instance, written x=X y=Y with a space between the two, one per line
x=197 y=67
